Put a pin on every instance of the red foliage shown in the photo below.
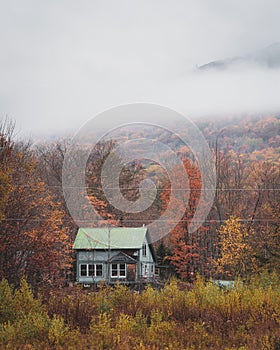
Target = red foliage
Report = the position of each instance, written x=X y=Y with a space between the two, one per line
x=185 y=245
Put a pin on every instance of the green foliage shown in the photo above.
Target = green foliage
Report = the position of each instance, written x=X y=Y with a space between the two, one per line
x=245 y=317
x=162 y=252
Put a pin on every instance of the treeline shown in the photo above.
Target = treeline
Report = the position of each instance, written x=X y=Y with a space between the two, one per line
x=248 y=134
x=243 y=226
x=34 y=225
x=203 y=316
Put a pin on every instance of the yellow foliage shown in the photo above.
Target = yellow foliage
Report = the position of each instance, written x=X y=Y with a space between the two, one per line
x=245 y=317
x=236 y=253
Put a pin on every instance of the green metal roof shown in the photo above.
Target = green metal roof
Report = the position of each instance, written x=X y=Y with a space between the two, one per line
x=113 y=238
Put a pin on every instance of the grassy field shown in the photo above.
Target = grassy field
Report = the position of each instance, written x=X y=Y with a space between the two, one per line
x=198 y=317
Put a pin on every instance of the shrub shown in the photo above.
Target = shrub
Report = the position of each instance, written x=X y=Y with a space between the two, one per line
x=245 y=317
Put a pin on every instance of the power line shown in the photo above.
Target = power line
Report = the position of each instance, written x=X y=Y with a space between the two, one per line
x=159 y=189
x=146 y=220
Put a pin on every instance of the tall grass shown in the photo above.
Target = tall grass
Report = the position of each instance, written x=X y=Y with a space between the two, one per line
x=203 y=317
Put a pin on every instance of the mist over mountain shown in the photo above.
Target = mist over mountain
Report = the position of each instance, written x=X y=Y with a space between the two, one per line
x=267 y=57
x=63 y=63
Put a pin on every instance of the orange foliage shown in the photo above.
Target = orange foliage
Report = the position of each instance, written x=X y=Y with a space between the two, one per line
x=184 y=245
x=33 y=239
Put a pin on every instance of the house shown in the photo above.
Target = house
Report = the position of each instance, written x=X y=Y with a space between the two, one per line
x=119 y=254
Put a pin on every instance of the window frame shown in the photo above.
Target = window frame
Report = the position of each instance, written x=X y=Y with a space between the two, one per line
x=118 y=270
x=89 y=269
x=144 y=249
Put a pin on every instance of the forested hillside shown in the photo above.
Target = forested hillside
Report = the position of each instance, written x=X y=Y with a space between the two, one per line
x=240 y=240
x=37 y=231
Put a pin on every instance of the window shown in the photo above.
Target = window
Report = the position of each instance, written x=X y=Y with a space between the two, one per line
x=145 y=270
x=83 y=270
x=91 y=270
x=114 y=270
x=99 y=270
x=118 y=270
x=144 y=249
x=122 y=270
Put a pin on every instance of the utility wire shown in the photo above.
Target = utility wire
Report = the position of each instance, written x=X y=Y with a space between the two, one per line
x=146 y=220
x=159 y=189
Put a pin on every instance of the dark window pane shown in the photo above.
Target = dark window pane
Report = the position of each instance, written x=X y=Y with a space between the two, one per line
x=144 y=249
x=83 y=270
x=99 y=270
x=114 y=270
x=91 y=270
x=122 y=269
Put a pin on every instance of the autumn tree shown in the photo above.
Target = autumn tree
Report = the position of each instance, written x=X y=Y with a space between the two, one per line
x=6 y=147
x=162 y=252
x=49 y=160
x=185 y=248
x=236 y=253
x=265 y=177
x=33 y=240
x=127 y=186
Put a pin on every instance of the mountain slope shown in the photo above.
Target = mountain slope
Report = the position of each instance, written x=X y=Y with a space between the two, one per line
x=268 y=57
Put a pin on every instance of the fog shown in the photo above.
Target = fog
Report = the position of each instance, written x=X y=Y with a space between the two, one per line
x=62 y=62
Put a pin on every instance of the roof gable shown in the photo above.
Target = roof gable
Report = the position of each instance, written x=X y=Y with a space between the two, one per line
x=110 y=238
x=122 y=257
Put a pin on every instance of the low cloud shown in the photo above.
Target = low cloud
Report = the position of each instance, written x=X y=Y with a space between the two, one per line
x=62 y=63
x=241 y=88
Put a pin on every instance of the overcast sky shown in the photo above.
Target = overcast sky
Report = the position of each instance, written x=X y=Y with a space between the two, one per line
x=64 y=61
